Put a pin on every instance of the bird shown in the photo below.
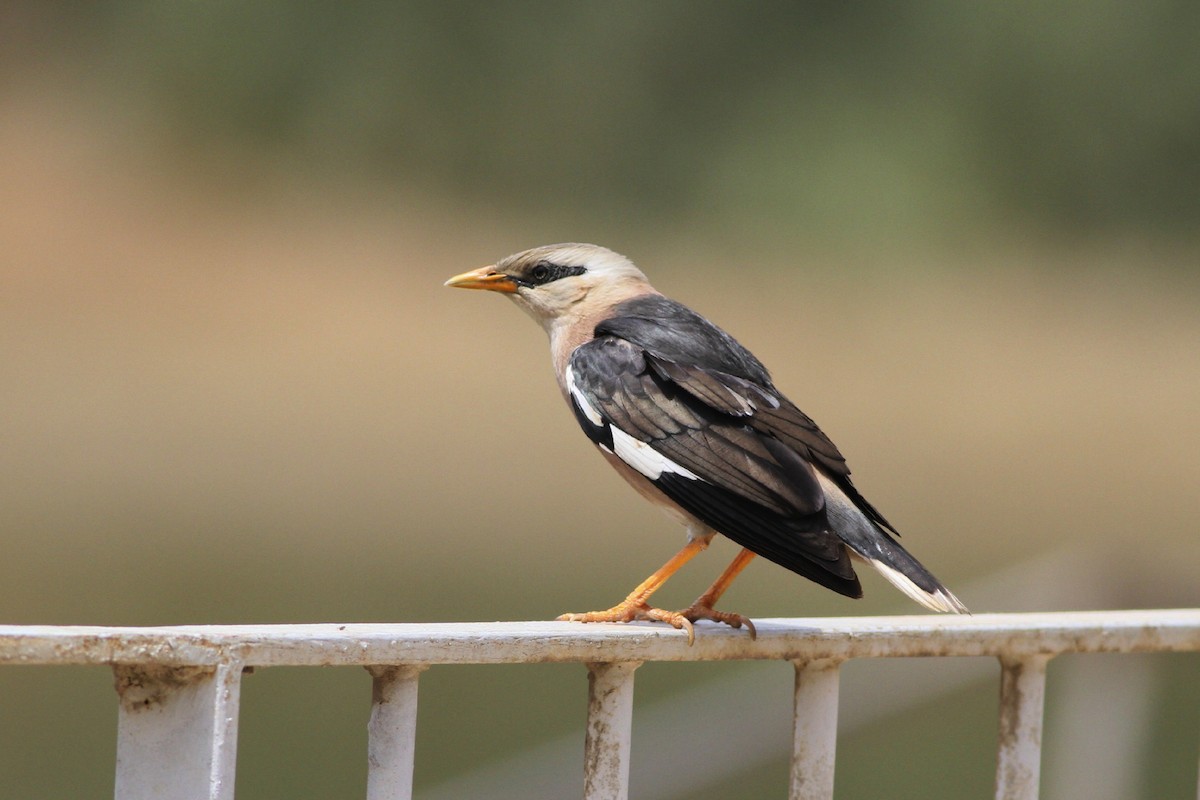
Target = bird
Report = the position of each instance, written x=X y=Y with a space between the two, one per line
x=692 y=421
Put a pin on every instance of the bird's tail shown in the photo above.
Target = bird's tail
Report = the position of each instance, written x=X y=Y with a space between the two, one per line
x=870 y=542
x=910 y=576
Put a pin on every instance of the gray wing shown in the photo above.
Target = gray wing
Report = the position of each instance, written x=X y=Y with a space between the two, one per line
x=714 y=367
x=696 y=434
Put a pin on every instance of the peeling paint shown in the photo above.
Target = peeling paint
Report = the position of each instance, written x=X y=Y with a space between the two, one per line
x=814 y=737
x=1009 y=635
x=609 y=730
x=1022 y=702
x=192 y=675
x=144 y=686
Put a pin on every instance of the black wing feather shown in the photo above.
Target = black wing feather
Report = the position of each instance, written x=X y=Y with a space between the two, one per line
x=771 y=413
x=817 y=555
x=754 y=487
x=708 y=363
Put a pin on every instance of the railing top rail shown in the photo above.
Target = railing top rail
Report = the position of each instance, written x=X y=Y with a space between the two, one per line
x=835 y=638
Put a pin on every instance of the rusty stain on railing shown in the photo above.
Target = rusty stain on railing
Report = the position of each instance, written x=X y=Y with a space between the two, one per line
x=1022 y=700
x=609 y=727
x=180 y=686
x=814 y=739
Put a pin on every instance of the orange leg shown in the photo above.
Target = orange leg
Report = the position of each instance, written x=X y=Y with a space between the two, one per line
x=635 y=606
x=702 y=608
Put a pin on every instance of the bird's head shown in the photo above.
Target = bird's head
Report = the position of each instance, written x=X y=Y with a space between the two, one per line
x=551 y=281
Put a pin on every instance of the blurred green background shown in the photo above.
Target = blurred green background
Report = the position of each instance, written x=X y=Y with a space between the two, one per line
x=232 y=388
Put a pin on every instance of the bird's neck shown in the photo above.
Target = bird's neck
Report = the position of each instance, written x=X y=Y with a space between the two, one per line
x=578 y=327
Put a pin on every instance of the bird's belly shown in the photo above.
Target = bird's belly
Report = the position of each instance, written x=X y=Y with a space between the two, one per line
x=696 y=529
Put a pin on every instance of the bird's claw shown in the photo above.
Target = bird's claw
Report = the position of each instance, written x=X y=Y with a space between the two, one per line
x=628 y=612
x=697 y=611
x=681 y=620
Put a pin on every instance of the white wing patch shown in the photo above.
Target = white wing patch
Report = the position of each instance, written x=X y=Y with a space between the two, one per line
x=644 y=458
x=587 y=408
x=634 y=452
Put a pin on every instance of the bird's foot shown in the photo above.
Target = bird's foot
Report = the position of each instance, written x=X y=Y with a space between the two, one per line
x=701 y=610
x=629 y=611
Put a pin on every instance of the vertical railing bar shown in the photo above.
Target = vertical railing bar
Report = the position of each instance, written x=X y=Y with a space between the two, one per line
x=1022 y=704
x=177 y=731
x=814 y=738
x=609 y=730
x=392 y=732
x=225 y=729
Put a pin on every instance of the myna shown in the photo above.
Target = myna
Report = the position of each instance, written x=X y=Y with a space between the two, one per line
x=691 y=419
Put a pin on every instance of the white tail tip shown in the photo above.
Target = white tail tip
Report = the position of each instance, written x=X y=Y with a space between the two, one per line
x=941 y=600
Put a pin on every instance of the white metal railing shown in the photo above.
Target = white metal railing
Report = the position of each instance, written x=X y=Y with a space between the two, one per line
x=179 y=687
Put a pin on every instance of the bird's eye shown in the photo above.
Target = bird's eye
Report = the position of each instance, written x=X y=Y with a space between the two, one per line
x=545 y=272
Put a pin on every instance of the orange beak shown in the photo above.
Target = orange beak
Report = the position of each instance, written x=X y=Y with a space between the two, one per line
x=484 y=278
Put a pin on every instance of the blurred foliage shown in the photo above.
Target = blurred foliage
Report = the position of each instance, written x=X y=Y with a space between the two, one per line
x=822 y=120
